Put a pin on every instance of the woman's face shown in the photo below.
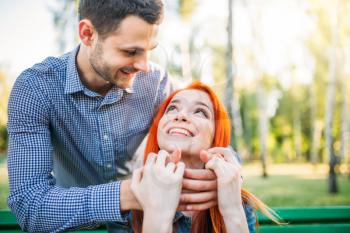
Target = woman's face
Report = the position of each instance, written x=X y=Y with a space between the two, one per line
x=187 y=124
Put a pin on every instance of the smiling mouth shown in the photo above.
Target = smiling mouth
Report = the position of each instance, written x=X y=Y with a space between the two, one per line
x=129 y=71
x=180 y=132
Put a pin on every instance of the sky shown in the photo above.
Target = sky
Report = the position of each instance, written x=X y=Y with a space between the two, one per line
x=28 y=35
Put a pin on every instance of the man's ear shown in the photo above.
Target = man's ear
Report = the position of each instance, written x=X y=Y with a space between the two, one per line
x=87 y=32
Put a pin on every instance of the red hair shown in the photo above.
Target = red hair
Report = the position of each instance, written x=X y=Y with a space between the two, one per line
x=222 y=138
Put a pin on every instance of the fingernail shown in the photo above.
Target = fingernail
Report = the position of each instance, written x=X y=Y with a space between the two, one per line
x=188 y=207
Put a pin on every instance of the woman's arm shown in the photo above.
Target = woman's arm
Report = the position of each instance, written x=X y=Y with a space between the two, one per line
x=228 y=172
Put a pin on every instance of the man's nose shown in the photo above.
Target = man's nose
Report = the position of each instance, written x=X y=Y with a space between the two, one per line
x=141 y=63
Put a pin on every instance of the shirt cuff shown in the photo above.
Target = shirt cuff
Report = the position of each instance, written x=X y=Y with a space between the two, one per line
x=104 y=203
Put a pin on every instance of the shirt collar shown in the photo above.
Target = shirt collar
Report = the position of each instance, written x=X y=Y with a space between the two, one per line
x=73 y=82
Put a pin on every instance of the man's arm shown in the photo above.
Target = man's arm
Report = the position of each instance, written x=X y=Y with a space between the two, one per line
x=38 y=203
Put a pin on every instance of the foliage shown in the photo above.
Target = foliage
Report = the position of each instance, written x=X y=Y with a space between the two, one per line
x=299 y=107
x=4 y=96
x=3 y=139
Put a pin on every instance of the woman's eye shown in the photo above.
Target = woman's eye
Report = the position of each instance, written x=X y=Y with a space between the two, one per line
x=202 y=112
x=170 y=108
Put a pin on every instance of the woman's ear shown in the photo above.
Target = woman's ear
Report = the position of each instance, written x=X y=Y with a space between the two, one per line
x=87 y=32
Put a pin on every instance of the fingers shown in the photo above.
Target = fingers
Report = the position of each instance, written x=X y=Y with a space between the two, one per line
x=136 y=175
x=199 y=174
x=181 y=207
x=175 y=157
x=228 y=154
x=205 y=156
x=216 y=164
x=136 y=179
x=199 y=185
x=171 y=167
x=202 y=206
x=151 y=158
x=162 y=155
x=180 y=169
x=200 y=197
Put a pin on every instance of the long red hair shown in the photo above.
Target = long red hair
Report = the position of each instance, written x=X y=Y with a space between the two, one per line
x=222 y=138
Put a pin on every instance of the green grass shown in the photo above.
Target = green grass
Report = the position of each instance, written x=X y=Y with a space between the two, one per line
x=287 y=185
x=288 y=190
x=3 y=195
x=4 y=189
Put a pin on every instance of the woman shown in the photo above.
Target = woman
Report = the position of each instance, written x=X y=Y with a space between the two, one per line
x=194 y=123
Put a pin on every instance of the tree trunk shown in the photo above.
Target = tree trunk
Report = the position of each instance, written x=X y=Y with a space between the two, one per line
x=237 y=124
x=344 y=146
x=261 y=95
x=229 y=73
x=297 y=135
x=313 y=123
x=330 y=99
x=263 y=126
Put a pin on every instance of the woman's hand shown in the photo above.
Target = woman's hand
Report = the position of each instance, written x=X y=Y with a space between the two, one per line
x=157 y=187
x=229 y=181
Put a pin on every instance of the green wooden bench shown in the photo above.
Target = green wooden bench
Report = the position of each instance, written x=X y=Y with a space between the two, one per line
x=333 y=219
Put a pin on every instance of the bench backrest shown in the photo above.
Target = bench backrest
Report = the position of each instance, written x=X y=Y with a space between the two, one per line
x=329 y=214
x=332 y=219
x=335 y=219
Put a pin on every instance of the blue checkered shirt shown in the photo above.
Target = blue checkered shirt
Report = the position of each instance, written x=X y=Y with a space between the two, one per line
x=69 y=147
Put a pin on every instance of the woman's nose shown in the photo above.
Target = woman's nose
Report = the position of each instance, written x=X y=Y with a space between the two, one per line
x=181 y=116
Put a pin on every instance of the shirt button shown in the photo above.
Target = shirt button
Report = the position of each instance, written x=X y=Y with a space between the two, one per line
x=109 y=165
x=105 y=137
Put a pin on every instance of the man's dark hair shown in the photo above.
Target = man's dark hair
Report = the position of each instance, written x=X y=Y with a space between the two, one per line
x=106 y=15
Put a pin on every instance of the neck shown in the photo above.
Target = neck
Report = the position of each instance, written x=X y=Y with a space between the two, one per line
x=192 y=161
x=88 y=75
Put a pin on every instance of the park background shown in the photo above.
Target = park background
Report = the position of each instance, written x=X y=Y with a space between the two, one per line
x=281 y=67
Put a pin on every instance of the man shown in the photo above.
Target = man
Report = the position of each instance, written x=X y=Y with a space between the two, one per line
x=76 y=120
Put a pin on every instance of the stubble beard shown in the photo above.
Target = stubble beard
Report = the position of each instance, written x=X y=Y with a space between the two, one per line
x=98 y=65
x=105 y=72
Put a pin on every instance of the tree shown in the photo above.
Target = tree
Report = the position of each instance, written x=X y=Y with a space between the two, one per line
x=229 y=72
x=4 y=96
x=65 y=20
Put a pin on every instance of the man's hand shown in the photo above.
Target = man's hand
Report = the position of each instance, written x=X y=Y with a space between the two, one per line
x=128 y=200
x=199 y=190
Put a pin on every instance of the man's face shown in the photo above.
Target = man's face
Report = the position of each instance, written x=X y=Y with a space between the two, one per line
x=122 y=54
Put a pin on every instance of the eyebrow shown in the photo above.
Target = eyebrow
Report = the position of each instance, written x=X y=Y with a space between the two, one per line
x=196 y=102
x=139 y=48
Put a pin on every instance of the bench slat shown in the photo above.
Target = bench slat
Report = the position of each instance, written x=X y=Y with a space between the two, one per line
x=7 y=220
x=313 y=228
x=329 y=214
x=335 y=219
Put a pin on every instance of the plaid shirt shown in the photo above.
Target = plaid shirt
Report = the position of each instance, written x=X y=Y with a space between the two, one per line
x=69 y=146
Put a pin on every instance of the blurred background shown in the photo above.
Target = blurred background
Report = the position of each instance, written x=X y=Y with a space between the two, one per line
x=281 y=67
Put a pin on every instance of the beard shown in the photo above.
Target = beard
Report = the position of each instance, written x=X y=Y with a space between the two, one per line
x=106 y=72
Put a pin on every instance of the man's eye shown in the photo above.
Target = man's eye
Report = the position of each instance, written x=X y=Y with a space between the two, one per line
x=131 y=52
